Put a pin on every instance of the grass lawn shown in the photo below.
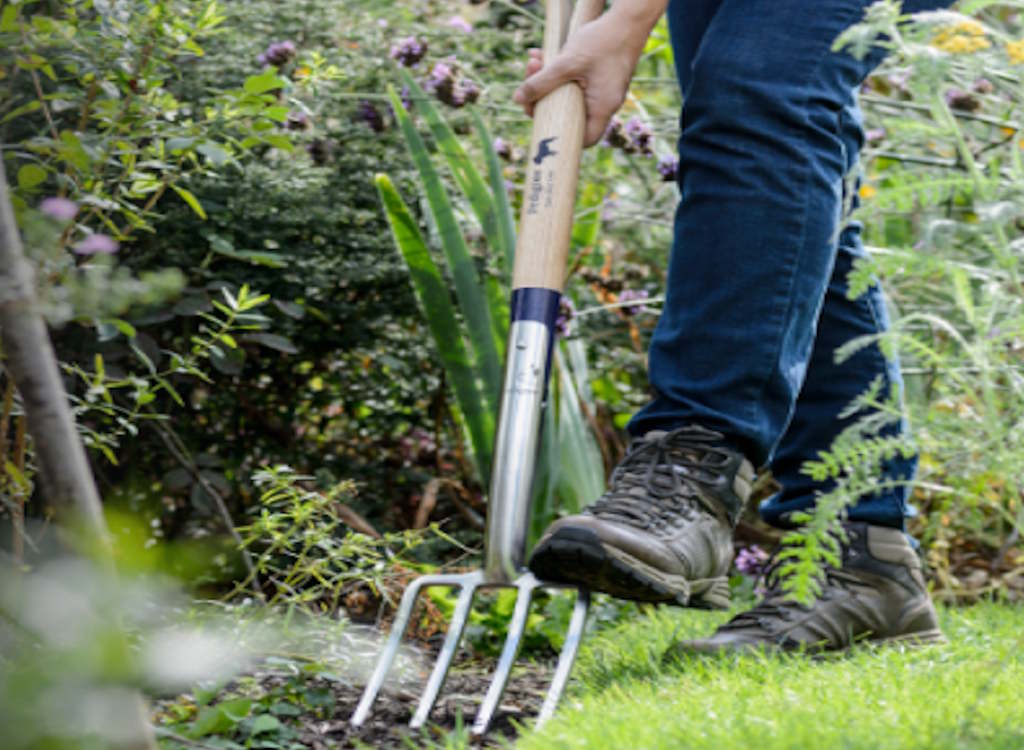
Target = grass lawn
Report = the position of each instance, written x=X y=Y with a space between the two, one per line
x=968 y=694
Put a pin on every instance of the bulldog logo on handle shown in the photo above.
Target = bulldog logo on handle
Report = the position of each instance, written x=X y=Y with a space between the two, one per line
x=544 y=150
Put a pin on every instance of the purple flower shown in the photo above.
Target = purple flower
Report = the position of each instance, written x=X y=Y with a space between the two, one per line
x=408 y=51
x=631 y=295
x=367 y=113
x=752 y=560
x=319 y=151
x=96 y=244
x=60 y=209
x=466 y=92
x=874 y=135
x=566 y=313
x=460 y=23
x=441 y=75
x=962 y=100
x=298 y=120
x=668 y=168
x=982 y=86
x=503 y=148
x=640 y=135
x=443 y=83
x=278 y=53
x=615 y=135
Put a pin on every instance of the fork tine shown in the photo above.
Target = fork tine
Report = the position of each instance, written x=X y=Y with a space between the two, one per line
x=469 y=584
x=525 y=585
x=387 y=656
x=567 y=657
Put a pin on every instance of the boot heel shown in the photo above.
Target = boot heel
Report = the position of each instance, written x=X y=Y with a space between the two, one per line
x=715 y=595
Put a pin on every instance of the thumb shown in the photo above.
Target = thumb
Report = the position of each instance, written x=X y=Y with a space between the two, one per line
x=540 y=84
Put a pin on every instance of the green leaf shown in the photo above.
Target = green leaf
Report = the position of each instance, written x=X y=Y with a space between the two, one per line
x=9 y=19
x=582 y=467
x=282 y=142
x=264 y=723
x=469 y=290
x=24 y=109
x=214 y=153
x=191 y=200
x=962 y=293
x=466 y=175
x=30 y=176
x=220 y=718
x=261 y=83
x=435 y=302
x=588 y=222
x=502 y=207
x=272 y=341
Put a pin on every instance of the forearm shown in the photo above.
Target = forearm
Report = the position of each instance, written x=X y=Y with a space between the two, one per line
x=636 y=18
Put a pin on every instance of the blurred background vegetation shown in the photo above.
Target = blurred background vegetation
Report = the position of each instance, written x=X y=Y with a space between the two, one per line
x=271 y=419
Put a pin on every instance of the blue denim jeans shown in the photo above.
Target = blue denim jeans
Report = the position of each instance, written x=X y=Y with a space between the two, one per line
x=756 y=293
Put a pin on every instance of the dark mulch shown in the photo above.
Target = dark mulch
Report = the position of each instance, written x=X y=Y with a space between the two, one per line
x=388 y=724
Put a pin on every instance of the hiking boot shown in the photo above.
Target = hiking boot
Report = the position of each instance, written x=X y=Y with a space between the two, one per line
x=663 y=530
x=878 y=595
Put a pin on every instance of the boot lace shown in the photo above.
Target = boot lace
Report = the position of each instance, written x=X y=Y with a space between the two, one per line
x=656 y=483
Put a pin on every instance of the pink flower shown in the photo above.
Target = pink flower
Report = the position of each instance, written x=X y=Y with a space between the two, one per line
x=460 y=23
x=60 y=209
x=96 y=244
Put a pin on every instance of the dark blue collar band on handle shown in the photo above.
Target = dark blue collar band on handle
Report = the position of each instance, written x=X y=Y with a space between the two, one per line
x=536 y=303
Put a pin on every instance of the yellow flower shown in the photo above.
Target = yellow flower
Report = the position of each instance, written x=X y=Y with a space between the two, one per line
x=961 y=38
x=1016 y=51
x=867 y=191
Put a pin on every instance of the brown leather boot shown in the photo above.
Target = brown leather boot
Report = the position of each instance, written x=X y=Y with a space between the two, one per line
x=878 y=595
x=663 y=530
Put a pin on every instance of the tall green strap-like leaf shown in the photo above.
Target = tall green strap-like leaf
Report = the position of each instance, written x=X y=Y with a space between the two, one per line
x=503 y=210
x=581 y=480
x=469 y=289
x=435 y=302
x=465 y=173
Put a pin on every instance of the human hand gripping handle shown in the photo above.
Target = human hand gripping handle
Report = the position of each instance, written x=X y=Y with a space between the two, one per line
x=572 y=91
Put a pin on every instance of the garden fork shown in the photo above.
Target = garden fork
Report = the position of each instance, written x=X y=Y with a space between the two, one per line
x=541 y=252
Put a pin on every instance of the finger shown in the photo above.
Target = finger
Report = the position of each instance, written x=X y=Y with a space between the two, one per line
x=533 y=67
x=542 y=83
x=597 y=124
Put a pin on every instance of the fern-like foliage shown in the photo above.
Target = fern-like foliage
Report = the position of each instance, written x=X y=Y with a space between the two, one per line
x=854 y=464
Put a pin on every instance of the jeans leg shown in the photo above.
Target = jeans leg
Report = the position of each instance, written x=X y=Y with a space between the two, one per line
x=763 y=153
x=827 y=392
x=761 y=166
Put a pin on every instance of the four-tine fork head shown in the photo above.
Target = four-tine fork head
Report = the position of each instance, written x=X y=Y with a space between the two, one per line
x=468 y=584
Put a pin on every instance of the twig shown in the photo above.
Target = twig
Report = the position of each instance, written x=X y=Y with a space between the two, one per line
x=355 y=521
x=181 y=455
x=930 y=161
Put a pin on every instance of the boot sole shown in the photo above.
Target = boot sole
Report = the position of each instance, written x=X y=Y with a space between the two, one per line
x=579 y=557
x=699 y=648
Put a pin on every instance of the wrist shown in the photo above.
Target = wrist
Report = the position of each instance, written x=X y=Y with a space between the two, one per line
x=637 y=16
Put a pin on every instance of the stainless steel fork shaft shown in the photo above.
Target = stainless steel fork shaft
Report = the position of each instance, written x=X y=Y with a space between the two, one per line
x=515 y=449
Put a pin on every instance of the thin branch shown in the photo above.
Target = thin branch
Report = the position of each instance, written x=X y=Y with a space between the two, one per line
x=182 y=456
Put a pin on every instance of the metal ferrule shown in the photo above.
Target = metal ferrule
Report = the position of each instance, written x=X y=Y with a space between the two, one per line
x=515 y=449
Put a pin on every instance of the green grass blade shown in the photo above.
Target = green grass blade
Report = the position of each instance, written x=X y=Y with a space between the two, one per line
x=469 y=290
x=435 y=302
x=503 y=209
